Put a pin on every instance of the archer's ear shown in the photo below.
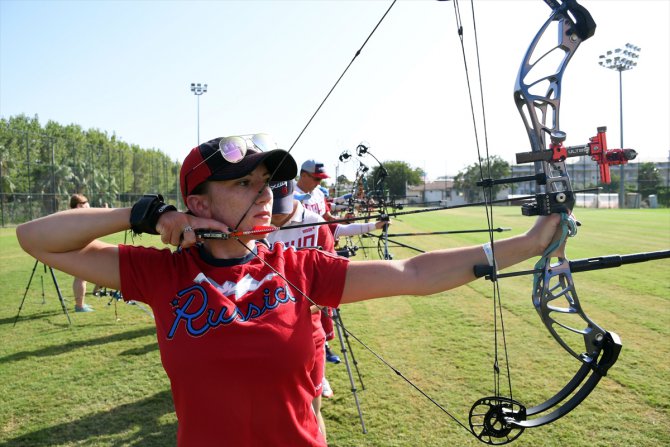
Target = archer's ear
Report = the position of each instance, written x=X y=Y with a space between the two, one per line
x=199 y=205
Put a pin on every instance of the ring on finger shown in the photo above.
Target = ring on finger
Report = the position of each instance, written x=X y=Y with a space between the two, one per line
x=187 y=228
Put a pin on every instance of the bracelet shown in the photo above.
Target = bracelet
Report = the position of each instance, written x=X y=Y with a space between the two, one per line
x=488 y=252
x=145 y=213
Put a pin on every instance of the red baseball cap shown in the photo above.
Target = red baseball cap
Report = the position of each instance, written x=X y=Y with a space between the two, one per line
x=205 y=162
x=315 y=168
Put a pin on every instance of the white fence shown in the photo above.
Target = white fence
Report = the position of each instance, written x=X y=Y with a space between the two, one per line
x=585 y=200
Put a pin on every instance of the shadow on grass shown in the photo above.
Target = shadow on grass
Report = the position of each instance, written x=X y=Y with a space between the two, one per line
x=72 y=345
x=141 y=351
x=36 y=316
x=137 y=423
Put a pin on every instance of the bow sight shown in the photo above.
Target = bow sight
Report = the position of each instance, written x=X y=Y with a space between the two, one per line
x=596 y=148
x=562 y=199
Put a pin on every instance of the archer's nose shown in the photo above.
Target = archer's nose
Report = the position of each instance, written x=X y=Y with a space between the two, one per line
x=265 y=195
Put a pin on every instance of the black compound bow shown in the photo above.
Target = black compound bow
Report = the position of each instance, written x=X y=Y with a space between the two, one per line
x=497 y=419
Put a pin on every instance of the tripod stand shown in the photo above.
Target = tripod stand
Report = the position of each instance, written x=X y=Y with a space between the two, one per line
x=345 y=347
x=115 y=297
x=60 y=296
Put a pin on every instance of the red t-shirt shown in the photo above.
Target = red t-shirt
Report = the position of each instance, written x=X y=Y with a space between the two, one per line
x=235 y=338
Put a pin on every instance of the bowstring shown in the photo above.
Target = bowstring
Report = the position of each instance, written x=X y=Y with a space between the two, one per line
x=488 y=197
x=318 y=109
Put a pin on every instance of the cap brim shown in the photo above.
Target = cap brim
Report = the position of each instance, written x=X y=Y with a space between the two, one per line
x=321 y=176
x=280 y=164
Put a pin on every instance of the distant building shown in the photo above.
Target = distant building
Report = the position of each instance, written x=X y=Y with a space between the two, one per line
x=438 y=192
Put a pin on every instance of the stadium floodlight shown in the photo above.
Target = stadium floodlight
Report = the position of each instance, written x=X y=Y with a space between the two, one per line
x=621 y=59
x=198 y=89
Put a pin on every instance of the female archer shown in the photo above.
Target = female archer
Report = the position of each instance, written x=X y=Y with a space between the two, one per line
x=233 y=315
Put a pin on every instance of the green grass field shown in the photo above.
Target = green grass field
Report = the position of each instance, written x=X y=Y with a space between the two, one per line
x=100 y=382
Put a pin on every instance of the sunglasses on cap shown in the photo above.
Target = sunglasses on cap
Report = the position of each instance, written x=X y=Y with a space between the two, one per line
x=233 y=149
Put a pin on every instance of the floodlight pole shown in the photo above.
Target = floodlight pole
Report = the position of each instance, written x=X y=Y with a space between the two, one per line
x=621 y=60
x=198 y=89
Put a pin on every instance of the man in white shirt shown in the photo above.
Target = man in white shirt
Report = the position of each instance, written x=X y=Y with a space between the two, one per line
x=312 y=173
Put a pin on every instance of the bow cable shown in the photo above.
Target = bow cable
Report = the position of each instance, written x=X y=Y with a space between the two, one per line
x=336 y=321
x=488 y=196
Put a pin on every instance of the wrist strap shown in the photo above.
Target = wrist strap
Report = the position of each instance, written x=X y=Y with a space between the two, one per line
x=488 y=252
x=145 y=213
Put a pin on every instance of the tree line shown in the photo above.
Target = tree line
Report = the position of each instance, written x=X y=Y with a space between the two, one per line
x=41 y=166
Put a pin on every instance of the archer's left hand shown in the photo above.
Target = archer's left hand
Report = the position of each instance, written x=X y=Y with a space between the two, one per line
x=545 y=231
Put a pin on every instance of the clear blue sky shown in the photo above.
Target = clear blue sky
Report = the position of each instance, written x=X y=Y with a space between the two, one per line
x=125 y=67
